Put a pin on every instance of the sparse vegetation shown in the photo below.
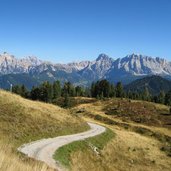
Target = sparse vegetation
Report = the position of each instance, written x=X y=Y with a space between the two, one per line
x=74 y=101
x=139 y=112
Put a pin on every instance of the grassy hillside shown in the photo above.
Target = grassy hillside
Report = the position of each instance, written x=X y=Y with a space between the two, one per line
x=127 y=151
x=129 y=111
x=139 y=137
x=142 y=139
x=22 y=121
x=141 y=112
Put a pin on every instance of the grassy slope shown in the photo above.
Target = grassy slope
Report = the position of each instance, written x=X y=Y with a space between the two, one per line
x=127 y=151
x=63 y=154
x=141 y=113
x=22 y=121
x=136 y=146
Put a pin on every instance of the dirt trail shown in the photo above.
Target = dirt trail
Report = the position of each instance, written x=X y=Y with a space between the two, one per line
x=44 y=149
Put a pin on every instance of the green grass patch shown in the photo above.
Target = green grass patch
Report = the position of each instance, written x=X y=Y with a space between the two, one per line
x=63 y=154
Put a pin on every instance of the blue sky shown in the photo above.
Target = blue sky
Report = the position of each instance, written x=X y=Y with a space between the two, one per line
x=71 y=30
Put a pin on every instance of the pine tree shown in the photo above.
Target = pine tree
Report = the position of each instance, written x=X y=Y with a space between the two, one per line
x=87 y=92
x=46 y=92
x=68 y=88
x=56 y=89
x=161 y=97
x=35 y=93
x=104 y=88
x=78 y=91
x=101 y=95
x=93 y=94
x=24 y=91
x=112 y=91
x=66 y=100
x=119 y=90
x=16 y=89
x=168 y=98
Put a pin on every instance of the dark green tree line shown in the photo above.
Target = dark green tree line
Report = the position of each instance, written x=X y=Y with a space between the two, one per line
x=47 y=92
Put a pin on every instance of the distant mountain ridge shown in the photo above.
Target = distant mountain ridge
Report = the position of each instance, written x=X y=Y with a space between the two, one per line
x=125 y=69
x=155 y=84
x=9 y=64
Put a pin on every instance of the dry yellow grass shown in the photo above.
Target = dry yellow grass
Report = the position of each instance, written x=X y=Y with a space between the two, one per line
x=25 y=120
x=22 y=121
x=33 y=108
x=128 y=151
x=97 y=108
x=11 y=162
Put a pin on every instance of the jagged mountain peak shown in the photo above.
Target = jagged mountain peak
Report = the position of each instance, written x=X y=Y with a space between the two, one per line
x=6 y=56
x=103 y=56
x=32 y=58
x=136 y=64
x=79 y=65
x=136 y=56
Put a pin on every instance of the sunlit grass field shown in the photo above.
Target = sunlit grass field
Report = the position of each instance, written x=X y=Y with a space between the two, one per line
x=23 y=121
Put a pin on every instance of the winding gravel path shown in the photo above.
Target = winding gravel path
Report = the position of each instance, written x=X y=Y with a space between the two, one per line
x=44 y=149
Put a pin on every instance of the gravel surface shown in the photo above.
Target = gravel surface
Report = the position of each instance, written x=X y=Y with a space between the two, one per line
x=44 y=149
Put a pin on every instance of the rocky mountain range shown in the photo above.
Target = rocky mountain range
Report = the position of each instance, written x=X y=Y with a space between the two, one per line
x=126 y=69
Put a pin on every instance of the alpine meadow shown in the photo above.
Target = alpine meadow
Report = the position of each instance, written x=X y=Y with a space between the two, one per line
x=85 y=85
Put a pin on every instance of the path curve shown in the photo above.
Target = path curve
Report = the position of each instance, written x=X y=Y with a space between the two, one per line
x=44 y=149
